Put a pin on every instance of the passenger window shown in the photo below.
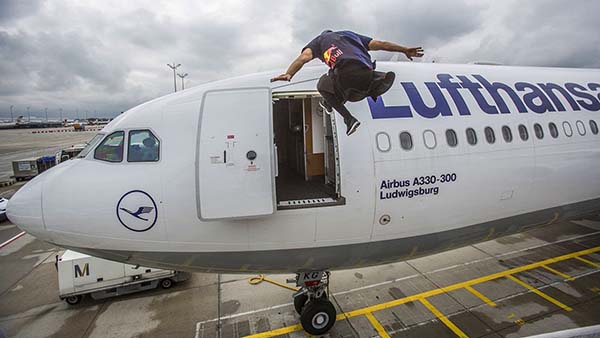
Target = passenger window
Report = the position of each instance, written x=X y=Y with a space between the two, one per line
x=490 y=137
x=429 y=139
x=471 y=136
x=594 y=127
x=580 y=127
x=507 y=134
x=383 y=143
x=406 y=140
x=143 y=146
x=523 y=132
x=567 y=129
x=553 y=129
x=451 y=138
x=111 y=149
x=539 y=132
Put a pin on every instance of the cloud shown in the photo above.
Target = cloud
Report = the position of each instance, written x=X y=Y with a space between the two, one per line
x=16 y=9
x=110 y=55
x=548 y=33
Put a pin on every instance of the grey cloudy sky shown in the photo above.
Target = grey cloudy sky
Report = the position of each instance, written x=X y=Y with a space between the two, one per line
x=108 y=56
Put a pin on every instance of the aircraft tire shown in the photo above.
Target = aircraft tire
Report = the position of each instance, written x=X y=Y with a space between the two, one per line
x=299 y=302
x=318 y=317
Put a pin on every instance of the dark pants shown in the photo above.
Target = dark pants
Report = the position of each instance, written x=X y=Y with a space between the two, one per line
x=351 y=81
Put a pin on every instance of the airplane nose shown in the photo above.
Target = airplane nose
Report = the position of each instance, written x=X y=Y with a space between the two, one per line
x=24 y=209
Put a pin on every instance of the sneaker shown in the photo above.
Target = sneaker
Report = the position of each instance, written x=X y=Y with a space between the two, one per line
x=326 y=107
x=352 y=126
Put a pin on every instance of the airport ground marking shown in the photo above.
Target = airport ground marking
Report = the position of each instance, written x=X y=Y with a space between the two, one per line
x=480 y=296
x=377 y=325
x=556 y=272
x=539 y=293
x=462 y=285
x=596 y=265
x=443 y=318
x=276 y=332
x=14 y=238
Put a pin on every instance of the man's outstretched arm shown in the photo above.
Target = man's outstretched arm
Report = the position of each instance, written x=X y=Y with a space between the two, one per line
x=295 y=66
x=410 y=52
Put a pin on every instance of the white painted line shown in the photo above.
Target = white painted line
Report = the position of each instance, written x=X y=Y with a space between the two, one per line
x=235 y=315
x=12 y=239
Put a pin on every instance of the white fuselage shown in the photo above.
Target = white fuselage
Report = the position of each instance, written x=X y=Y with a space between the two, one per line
x=397 y=202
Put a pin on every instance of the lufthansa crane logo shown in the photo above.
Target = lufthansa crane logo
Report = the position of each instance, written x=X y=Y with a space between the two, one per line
x=136 y=210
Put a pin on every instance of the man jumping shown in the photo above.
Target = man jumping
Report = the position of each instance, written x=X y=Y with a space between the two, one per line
x=352 y=76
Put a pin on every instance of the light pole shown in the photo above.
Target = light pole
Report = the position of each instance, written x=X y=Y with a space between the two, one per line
x=182 y=76
x=61 y=118
x=174 y=67
x=28 y=115
x=46 y=110
x=11 y=113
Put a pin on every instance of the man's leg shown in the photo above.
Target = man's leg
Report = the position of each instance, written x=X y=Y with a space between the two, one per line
x=382 y=82
x=327 y=91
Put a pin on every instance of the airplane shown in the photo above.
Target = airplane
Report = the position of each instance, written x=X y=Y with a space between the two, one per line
x=243 y=175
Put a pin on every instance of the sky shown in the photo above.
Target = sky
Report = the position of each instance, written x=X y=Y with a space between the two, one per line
x=98 y=58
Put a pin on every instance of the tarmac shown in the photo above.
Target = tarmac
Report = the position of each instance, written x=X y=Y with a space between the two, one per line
x=18 y=144
x=539 y=281
x=543 y=280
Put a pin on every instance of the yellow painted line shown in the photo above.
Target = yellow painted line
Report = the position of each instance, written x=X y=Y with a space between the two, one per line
x=596 y=265
x=443 y=318
x=480 y=296
x=457 y=286
x=556 y=272
x=461 y=285
x=377 y=325
x=539 y=293
x=277 y=332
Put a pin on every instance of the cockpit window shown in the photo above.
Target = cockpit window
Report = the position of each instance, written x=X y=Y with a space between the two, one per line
x=90 y=145
x=143 y=146
x=111 y=149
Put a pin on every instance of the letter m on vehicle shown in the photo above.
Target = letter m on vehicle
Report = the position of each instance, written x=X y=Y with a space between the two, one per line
x=84 y=272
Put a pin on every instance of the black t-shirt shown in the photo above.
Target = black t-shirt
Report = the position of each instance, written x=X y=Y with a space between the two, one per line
x=334 y=47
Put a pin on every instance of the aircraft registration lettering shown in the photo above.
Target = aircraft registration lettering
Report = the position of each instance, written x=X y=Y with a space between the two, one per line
x=417 y=186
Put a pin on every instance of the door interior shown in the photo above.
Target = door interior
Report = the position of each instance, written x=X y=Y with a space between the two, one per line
x=306 y=152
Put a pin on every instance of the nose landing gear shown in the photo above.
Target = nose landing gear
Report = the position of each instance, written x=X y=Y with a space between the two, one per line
x=311 y=301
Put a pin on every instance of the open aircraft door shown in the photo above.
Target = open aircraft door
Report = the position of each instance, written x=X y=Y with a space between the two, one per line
x=235 y=161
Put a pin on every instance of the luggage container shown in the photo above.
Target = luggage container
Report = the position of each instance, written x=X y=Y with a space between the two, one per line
x=80 y=274
x=25 y=169
x=31 y=167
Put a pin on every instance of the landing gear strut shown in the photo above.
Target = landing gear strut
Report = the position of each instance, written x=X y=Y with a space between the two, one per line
x=311 y=301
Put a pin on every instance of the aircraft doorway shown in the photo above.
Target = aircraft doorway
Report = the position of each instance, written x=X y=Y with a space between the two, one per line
x=306 y=150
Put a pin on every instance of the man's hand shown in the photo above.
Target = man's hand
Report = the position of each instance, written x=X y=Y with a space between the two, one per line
x=282 y=77
x=412 y=52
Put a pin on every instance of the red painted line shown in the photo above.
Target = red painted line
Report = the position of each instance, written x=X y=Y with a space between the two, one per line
x=12 y=240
